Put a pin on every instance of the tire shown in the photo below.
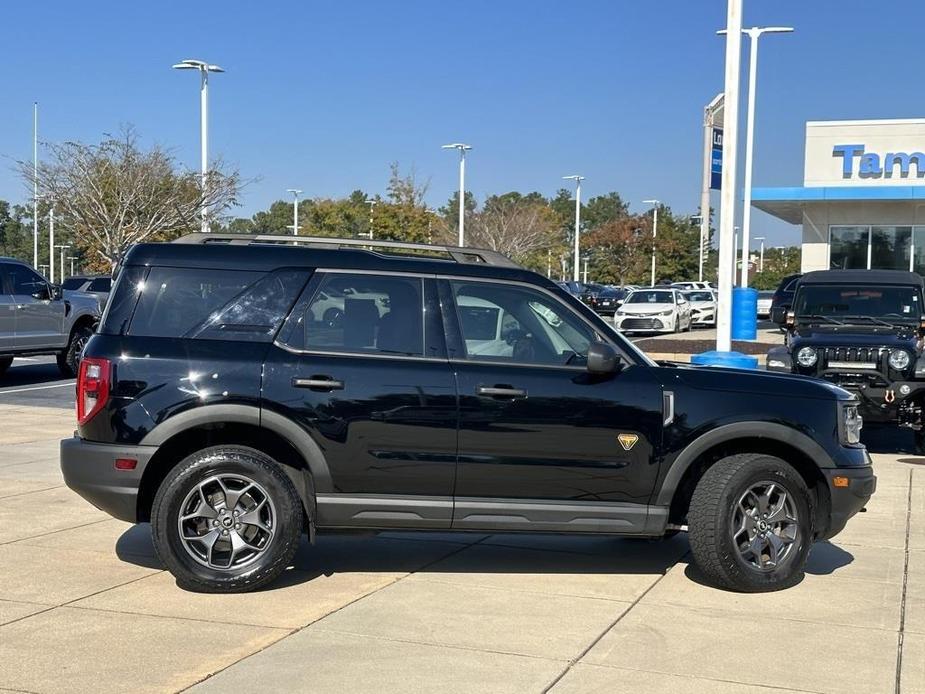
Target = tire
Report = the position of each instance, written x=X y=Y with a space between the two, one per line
x=266 y=496
x=69 y=359
x=919 y=440
x=715 y=514
x=5 y=364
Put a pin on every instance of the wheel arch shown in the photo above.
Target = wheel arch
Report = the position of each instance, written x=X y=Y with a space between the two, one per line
x=242 y=425
x=793 y=447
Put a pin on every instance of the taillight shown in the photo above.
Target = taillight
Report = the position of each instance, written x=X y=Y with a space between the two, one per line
x=92 y=387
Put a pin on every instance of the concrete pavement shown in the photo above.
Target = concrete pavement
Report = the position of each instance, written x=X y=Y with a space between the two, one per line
x=85 y=605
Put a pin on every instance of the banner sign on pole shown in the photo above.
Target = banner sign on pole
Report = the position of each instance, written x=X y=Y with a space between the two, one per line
x=716 y=159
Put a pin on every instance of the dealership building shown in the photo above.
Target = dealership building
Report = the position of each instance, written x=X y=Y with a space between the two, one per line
x=862 y=202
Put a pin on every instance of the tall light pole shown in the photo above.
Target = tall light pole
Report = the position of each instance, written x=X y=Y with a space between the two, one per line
x=372 y=205
x=584 y=277
x=35 y=184
x=761 y=254
x=735 y=253
x=655 y=205
x=72 y=258
x=462 y=187
x=51 y=243
x=204 y=70
x=730 y=164
x=754 y=33
x=575 y=260
x=295 y=209
x=61 y=248
x=712 y=117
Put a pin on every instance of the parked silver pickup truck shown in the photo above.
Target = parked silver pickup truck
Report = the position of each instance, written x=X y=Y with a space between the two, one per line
x=37 y=317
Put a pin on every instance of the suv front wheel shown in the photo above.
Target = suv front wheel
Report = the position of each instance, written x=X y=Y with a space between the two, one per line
x=69 y=359
x=226 y=519
x=751 y=524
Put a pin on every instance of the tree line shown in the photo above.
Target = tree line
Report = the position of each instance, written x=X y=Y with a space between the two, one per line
x=110 y=195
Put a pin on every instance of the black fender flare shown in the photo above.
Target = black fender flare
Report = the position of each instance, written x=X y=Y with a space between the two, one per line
x=288 y=430
x=730 y=432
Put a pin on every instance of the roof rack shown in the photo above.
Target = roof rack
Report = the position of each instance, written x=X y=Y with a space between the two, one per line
x=455 y=253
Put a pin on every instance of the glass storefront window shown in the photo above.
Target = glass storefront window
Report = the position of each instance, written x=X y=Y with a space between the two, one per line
x=877 y=248
x=848 y=247
x=890 y=247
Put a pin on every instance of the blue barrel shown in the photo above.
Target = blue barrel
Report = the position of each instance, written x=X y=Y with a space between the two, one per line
x=744 y=313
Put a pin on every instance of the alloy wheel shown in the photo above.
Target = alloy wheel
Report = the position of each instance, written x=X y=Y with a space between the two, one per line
x=765 y=526
x=226 y=522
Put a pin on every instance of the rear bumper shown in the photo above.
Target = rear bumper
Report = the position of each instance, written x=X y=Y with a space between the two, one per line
x=847 y=501
x=89 y=469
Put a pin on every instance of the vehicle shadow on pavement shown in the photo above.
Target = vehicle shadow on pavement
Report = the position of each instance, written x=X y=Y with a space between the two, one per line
x=825 y=558
x=889 y=440
x=451 y=553
x=30 y=374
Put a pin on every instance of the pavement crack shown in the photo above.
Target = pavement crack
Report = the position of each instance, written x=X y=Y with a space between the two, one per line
x=606 y=630
x=897 y=688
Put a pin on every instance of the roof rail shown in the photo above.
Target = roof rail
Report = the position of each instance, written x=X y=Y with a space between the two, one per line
x=455 y=253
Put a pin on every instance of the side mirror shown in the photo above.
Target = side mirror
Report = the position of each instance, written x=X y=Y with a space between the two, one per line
x=602 y=358
x=779 y=315
x=57 y=293
x=43 y=293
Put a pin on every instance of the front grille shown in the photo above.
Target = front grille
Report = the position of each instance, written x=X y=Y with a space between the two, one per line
x=641 y=324
x=844 y=357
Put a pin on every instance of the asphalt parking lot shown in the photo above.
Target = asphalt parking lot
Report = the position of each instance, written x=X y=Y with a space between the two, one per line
x=85 y=605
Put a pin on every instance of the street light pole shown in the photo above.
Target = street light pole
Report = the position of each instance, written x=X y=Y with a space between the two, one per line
x=585 y=271
x=655 y=204
x=462 y=188
x=372 y=204
x=51 y=243
x=61 y=248
x=761 y=254
x=204 y=70
x=295 y=209
x=754 y=33
x=735 y=253
x=575 y=259
x=35 y=184
x=72 y=258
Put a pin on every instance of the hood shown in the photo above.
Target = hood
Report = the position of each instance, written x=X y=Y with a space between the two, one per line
x=703 y=304
x=646 y=309
x=754 y=382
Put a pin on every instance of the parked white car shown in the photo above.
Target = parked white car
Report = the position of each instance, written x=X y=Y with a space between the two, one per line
x=657 y=310
x=764 y=304
x=686 y=286
x=703 y=306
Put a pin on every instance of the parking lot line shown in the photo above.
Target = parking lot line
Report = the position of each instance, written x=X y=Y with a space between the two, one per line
x=23 y=390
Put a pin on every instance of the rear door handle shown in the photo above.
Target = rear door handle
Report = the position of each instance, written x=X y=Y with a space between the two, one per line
x=501 y=392
x=318 y=383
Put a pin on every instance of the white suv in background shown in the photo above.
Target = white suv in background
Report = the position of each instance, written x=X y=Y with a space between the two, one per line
x=654 y=310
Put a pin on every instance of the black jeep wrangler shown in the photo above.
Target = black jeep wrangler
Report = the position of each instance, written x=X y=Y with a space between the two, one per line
x=863 y=330
x=244 y=390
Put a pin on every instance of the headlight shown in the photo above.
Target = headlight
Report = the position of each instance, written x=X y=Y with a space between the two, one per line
x=852 y=423
x=899 y=359
x=665 y=313
x=806 y=356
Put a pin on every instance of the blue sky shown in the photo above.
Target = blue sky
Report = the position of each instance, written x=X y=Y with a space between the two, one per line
x=324 y=95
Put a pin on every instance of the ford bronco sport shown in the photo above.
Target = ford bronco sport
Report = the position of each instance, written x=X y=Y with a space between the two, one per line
x=244 y=390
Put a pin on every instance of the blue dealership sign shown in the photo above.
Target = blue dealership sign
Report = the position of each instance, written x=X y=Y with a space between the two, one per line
x=716 y=159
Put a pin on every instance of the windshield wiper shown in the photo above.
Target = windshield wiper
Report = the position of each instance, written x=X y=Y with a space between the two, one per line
x=878 y=321
x=818 y=316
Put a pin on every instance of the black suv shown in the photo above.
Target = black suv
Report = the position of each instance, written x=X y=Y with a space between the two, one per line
x=863 y=330
x=224 y=401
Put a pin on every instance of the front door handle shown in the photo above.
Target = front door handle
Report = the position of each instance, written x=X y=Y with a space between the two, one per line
x=323 y=383
x=501 y=391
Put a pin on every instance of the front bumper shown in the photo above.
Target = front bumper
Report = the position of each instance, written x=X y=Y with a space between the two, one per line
x=644 y=323
x=847 y=501
x=89 y=469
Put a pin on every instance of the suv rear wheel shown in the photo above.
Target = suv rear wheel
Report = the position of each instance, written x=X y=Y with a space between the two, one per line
x=69 y=359
x=226 y=519
x=751 y=524
x=5 y=364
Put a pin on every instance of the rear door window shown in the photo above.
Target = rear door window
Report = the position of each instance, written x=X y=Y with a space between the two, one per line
x=361 y=314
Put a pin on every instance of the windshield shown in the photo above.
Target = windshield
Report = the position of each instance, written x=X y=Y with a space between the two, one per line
x=654 y=297
x=699 y=296
x=847 y=301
